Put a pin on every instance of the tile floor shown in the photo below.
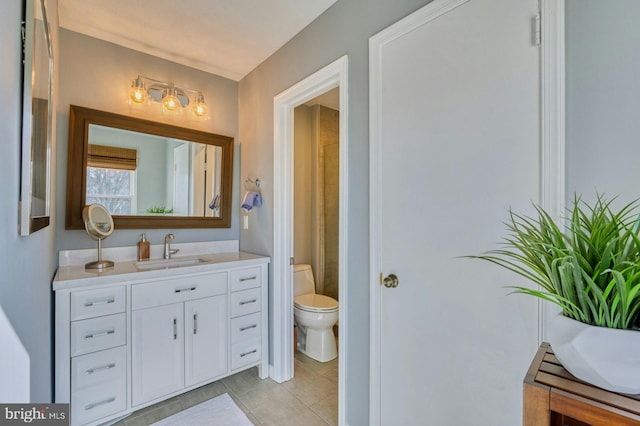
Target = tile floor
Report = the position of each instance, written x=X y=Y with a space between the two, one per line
x=310 y=398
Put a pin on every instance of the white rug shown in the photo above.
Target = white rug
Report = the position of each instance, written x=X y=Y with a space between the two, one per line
x=220 y=410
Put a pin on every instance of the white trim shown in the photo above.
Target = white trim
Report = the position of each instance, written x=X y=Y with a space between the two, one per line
x=331 y=76
x=552 y=90
x=424 y=15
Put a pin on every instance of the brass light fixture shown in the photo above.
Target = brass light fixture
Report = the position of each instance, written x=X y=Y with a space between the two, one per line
x=173 y=98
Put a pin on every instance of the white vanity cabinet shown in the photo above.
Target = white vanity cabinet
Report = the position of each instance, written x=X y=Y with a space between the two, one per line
x=246 y=318
x=189 y=328
x=126 y=339
x=97 y=345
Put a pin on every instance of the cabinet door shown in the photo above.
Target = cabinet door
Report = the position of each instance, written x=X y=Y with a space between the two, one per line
x=205 y=339
x=157 y=344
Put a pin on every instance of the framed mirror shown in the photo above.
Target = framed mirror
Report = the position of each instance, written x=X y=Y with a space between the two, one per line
x=147 y=174
x=35 y=179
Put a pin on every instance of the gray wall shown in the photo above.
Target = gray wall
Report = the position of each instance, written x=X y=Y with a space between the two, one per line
x=603 y=98
x=96 y=74
x=27 y=264
x=304 y=191
x=345 y=28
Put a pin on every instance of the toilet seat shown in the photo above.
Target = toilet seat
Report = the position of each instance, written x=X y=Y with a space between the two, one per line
x=315 y=303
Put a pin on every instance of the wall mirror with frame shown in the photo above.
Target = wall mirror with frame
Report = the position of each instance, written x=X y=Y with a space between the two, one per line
x=37 y=116
x=147 y=174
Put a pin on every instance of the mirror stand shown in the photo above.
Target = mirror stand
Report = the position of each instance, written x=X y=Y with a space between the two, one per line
x=99 y=264
x=99 y=225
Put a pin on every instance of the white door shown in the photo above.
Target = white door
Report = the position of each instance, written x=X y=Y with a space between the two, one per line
x=181 y=180
x=157 y=340
x=205 y=339
x=455 y=143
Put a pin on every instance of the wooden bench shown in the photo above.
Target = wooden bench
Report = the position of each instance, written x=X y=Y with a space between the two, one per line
x=552 y=396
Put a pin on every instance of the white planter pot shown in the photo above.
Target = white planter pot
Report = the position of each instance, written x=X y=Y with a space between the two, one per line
x=605 y=357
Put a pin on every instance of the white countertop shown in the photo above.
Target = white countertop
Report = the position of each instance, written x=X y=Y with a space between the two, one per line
x=75 y=276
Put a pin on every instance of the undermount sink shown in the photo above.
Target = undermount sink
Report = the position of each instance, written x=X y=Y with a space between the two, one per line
x=169 y=263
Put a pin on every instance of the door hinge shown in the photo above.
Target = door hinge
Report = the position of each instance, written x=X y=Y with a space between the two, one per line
x=291 y=261
x=537 y=30
x=23 y=37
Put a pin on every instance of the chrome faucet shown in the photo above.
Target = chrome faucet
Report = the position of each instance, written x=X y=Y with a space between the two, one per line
x=168 y=251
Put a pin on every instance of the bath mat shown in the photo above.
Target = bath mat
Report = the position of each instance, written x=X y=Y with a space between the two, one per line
x=220 y=410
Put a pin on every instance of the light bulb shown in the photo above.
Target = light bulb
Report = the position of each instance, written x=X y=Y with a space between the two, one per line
x=199 y=108
x=138 y=92
x=170 y=101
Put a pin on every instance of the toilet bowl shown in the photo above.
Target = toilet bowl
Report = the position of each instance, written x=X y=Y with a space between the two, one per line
x=315 y=315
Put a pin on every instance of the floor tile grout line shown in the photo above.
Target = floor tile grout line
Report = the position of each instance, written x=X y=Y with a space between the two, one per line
x=306 y=405
x=234 y=396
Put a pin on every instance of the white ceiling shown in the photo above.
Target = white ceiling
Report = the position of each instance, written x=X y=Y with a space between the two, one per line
x=224 y=37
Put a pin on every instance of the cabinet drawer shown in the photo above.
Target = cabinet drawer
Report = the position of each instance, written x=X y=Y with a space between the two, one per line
x=245 y=353
x=159 y=293
x=96 y=334
x=98 y=401
x=243 y=279
x=245 y=302
x=246 y=328
x=95 y=303
x=98 y=368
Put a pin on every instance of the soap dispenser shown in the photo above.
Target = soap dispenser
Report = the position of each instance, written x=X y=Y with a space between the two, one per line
x=143 y=248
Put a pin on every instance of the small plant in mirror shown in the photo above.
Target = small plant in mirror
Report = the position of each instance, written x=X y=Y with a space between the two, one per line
x=159 y=210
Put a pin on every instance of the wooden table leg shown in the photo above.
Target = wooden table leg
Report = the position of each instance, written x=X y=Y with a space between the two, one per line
x=536 y=411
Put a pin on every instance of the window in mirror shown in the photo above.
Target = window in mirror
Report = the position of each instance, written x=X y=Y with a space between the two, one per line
x=111 y=177
x=113 y=188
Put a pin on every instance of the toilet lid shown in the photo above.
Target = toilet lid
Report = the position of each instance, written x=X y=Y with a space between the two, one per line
x=315 y=303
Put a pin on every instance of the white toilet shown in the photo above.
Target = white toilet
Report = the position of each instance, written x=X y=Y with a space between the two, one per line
x=315 y=315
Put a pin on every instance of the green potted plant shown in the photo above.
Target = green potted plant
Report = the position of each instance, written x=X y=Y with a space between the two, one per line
x=590 y=268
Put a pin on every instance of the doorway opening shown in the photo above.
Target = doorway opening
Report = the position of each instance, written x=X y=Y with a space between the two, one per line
x=328 y=78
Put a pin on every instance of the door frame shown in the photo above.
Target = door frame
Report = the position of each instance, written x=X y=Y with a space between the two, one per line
x=331 y=76
x=552 y=152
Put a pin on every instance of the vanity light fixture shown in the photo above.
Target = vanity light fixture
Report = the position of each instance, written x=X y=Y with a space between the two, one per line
x=199 y=107
x=173 y=98
x=170 y=101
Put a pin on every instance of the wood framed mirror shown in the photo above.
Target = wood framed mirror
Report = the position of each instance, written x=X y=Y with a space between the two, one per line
x=147 y=174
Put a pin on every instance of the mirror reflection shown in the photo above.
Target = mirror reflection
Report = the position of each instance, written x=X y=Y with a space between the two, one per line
x=147 y=174
x=133 y=173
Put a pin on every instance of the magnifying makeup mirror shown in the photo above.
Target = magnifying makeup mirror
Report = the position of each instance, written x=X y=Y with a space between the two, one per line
x=99 y=225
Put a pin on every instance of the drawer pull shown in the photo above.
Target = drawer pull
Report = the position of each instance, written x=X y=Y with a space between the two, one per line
x=248 y=327
x=248 y=353
x=248 y=279
x=104 y=367
x=100 y=333
x=245 y=302
x=97 y=404
x=180 y=290
x=195 y=323
x=175 y=329
x=99 y=302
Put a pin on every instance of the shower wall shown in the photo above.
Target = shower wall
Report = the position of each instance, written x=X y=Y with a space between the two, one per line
x=316 y=193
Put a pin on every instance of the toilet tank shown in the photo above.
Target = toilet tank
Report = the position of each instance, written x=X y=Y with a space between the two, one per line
x=303 y=282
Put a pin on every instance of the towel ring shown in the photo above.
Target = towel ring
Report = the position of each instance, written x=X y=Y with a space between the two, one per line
x=255 y=184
